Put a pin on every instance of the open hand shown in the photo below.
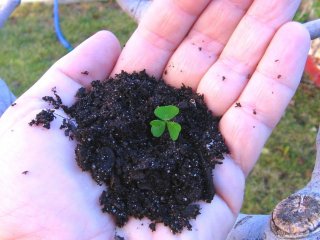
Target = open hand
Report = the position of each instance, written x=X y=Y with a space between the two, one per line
x=243 y=55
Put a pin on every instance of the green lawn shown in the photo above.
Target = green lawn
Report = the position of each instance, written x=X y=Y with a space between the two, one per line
x=29 y=47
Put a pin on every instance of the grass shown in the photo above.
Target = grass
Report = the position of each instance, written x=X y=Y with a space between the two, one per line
x=29 y=47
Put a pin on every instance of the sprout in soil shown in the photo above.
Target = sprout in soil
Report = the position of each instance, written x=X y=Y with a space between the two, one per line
x=165 y=114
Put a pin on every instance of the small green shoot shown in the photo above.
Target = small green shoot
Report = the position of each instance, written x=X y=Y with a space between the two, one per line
x=165 y=114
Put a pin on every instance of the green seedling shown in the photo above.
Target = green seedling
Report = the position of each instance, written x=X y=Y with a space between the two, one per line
x=165 y=114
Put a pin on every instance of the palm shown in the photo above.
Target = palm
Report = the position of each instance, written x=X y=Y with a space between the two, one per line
x=215 y=58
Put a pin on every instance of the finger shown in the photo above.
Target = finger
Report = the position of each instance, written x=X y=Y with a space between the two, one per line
x=159 y=33
x=266 y=96
x=204 y=43
x=225 y=80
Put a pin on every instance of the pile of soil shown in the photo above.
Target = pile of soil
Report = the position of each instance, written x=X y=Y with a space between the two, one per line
x=145 y=176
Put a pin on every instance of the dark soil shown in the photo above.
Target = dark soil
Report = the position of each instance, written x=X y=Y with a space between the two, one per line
x=43 y=118
x=145 y=176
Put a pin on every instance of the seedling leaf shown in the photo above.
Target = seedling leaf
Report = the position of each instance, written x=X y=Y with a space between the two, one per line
x=174 y=129
x=157 y=127
x=166 y=112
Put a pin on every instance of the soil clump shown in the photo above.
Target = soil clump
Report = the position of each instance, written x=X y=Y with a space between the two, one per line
x=145 y=176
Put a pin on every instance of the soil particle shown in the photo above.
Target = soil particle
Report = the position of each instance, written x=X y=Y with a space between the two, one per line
x=200 y=49
x=43 y=118
x=55 y=102
x=238 y=104
x=13 y=104
x=85 y=73
x=193 y=102
x=25 y=172
x=152 y=226
x=223 y=78
x=279 y=76
x=144 y=176
x=69 y=127
x=254 y=111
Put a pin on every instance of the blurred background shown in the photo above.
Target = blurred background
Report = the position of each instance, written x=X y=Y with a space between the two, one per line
x=29 y=46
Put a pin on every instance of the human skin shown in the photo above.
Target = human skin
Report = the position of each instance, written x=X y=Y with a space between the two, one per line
x=232 y=51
